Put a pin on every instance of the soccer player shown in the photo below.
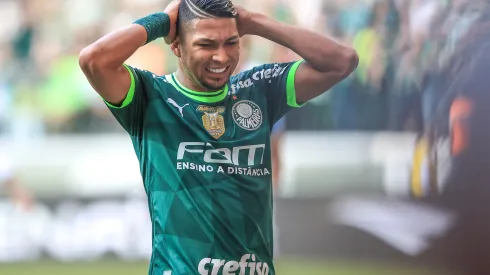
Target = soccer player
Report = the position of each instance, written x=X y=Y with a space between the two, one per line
x=201 y=136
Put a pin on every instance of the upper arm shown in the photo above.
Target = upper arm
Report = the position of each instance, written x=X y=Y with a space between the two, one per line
x=128 y=99
x=310 y=83
x=112 y=84
x=291 y=85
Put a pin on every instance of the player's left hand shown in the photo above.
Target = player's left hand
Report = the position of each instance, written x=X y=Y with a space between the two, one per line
x=173 y=12
x=243 y=20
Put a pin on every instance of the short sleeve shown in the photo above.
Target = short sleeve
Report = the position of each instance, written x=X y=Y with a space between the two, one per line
x=131 y=112
x=278 y=82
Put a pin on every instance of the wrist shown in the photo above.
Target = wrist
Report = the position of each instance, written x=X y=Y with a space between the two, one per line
x=157 y=25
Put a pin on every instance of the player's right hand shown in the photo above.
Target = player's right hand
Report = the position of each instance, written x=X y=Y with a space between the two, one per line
x=243 y=20
x=173 y=12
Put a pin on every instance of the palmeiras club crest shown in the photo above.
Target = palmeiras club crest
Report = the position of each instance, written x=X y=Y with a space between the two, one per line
x=247 y=115
x=213 y=120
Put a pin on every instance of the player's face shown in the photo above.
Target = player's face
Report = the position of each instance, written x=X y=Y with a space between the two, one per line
x=210 y=52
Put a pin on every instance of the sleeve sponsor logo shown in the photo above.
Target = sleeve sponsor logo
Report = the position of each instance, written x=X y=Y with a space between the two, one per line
x=269 y=74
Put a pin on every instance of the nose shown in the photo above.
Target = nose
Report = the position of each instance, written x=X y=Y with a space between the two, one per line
x=220 y=55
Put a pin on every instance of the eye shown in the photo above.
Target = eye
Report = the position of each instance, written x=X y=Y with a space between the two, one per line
x=204 y=45
x=231 y=43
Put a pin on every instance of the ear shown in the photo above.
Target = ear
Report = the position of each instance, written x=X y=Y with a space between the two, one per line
x=175 y=47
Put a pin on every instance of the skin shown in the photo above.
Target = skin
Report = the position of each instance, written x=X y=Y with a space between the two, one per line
x=209 y=43
x=214 y=43
x=326 y=61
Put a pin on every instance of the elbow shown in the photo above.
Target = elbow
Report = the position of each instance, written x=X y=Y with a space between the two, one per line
x=90 y=60
x=341 y=63
x=350 y=61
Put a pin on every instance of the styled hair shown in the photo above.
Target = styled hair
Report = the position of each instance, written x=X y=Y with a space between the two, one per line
x=204 y=9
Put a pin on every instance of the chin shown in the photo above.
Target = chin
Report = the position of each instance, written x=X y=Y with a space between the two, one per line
x=215 y=85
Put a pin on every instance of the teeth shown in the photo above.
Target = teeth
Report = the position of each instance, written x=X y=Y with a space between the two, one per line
x=216 y=71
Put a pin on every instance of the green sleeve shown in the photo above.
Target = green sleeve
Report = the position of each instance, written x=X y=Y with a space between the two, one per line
x=131 y=112
x=130 y=94
x=290 y=86
x=279 y=85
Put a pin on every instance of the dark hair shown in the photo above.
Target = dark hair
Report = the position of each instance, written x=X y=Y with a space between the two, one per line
x=202 y=9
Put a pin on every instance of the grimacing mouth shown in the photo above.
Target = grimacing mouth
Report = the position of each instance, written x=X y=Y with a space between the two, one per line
x=218 y=70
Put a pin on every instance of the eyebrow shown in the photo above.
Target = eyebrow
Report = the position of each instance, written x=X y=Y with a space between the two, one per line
x=201 y=40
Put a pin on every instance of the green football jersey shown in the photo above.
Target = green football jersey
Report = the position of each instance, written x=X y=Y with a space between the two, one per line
x=205 y=160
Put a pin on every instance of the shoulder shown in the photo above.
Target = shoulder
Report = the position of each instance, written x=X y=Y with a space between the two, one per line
x=143 y=79
x=142 y=75
x=262 y=74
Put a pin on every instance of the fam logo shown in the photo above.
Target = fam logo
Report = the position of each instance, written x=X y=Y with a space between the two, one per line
x=213 y=120
x=247 y=115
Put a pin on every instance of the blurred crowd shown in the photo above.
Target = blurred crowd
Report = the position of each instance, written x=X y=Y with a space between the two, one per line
x=406 y=49
x=404 y=46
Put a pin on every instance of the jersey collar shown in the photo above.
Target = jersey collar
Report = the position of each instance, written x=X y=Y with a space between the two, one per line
x=205 y=97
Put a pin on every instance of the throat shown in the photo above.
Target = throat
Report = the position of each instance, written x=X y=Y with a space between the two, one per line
x=189 y=81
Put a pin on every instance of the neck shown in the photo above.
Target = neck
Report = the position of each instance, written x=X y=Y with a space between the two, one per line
x=190 y=82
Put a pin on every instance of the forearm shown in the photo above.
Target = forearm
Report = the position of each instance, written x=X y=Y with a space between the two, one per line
x=112 y=50
x=102 y=62
x=320 y=52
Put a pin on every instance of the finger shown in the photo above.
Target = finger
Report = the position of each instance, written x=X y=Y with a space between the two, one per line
x=173 y=45
x=174 y=3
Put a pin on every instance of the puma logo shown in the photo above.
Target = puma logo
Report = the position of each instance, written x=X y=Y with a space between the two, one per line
x=171 y=101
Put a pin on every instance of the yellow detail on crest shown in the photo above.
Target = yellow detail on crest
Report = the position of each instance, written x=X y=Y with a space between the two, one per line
x=213 y=121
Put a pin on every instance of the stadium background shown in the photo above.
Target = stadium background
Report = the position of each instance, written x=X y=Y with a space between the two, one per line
x=346 y=157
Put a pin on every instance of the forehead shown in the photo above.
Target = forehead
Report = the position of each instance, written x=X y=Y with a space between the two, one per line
x=214 y=28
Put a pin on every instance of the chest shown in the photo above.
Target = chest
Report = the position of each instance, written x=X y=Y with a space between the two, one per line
x=238 y=120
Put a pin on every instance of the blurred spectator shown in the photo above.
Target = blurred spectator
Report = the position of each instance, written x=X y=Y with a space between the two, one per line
x=12 y=186
x=358 y=102
x=459 y=136
x=5 y=93
x=408 y=66
x=460 y=83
